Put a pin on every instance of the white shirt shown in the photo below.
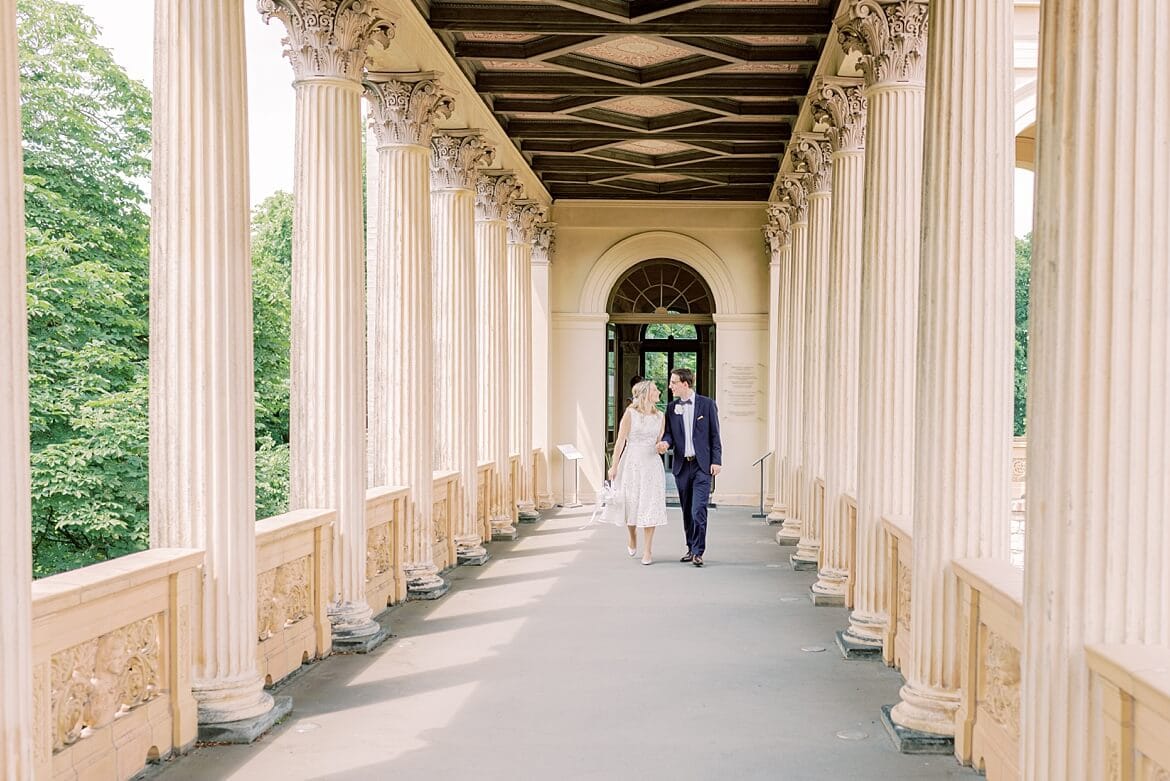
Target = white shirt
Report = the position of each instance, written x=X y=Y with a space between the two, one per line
x=688 y=416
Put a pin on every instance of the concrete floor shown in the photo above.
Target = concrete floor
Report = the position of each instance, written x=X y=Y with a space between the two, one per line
x=562 y=658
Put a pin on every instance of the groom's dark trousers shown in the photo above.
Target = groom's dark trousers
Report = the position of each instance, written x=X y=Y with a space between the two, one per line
x=694 y=490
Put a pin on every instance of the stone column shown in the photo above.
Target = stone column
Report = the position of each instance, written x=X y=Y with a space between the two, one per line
x=1095 y=564
x=326 y=45
x=795 y=198
x=456 y=157
x=891 y=39
x=812 y=156
x=16 y=686
x=839 y=105
x=523 y=217
x=202 y=440
x=542 y=249
x=494 y=191
x=966 y=340
x=778 y=242
x=401 y=389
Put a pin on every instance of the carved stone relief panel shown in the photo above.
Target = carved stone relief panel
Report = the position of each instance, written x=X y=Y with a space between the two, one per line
x=378 y=555
x=903 y=597
x=284 y=596
x=439 y=521
x=1001 y=690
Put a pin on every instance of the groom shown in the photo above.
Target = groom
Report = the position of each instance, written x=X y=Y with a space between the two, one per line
x=692 y=429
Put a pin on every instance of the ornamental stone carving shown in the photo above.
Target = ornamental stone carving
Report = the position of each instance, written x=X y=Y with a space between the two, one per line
x=284 y=596
x=328 y=38
x=794 y=197
x=456 y=157
x=378 y=557
x=904 y=597
x=439 y=522
x=544 y=241
x=523 y=217
x=1001 y=696
x=890 y=35
x=812 y=155
x=494 y=191
x=840 y=105
x=101 y=679
x=404 y=108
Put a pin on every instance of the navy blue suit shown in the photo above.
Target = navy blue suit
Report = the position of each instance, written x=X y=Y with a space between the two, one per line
x=693 y=477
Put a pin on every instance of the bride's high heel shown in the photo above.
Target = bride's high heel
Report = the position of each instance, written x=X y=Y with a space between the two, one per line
x=632 y=551
x=647 y=561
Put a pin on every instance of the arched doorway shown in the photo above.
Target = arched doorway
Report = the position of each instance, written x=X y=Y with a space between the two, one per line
x=661 y=315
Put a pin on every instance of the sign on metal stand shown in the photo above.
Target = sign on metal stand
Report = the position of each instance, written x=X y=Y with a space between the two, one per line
x=760 y=461
x=569 y=453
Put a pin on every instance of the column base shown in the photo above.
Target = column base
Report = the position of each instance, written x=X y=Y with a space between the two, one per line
x=786 y=538
x=912 y=741
x=528 y=514
x=360 y=645
x=227 y=700
x=821 y=599
x=503 y=530
x=246 y=730
x=829 y=590
x=425 y=585
x=853 y=650
x=472 y=557
x=803 y=561
x=352 y=623
x=776 y=516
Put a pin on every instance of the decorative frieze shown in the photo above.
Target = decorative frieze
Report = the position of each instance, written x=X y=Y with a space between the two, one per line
x=890 y=35
x=456 y=157
x=329 y=38
x=840 y=106
x=405 y=107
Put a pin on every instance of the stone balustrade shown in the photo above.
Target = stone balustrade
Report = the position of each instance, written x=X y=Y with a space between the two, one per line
x=1019 y=487
x=987 y=724
x=515 y=467
x=1130 y=687
x=385 y=578
x=483 y=496
x=444 y=502
x=899 y=548
x=294 y=554
x=112 y=648
x=537 y=481
x=849 y=516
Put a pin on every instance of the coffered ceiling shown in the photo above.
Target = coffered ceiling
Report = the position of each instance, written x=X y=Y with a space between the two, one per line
x=671 y=99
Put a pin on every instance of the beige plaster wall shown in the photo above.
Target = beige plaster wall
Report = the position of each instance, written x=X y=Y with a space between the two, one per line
x=595 y=242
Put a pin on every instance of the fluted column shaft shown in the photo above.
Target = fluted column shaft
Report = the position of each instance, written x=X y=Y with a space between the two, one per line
x=542 y=360
x=820 y=208
x=16 y=690
x=520 y=363
x=965 y=340
x=202 y=441
x=1098 y=542
x=456 y=408
x=778 y=242
x=401 y=370
x=892 y=40
x=794 y=284
x=327 y=416
x=842 y=364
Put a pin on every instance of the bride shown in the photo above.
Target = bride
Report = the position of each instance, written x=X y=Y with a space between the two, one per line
x=639 y=479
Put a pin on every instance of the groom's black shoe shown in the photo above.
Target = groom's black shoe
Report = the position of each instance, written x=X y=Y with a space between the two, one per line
x=697 y=561
x=687 y=557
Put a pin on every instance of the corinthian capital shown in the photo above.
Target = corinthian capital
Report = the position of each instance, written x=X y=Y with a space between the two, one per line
x=494 y=191
x=405 y=107
x=890 y=36
x=812 y=155
x=544 y=239
x=523 y=217
x=328 y=38
x=456 y=157
x=794 y=196
x=840 y=105
x=778 y=230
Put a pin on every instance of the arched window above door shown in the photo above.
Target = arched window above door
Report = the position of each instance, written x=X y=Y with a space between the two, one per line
x=662 y=287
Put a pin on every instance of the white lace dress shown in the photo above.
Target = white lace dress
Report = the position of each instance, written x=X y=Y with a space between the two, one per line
x=641 y=481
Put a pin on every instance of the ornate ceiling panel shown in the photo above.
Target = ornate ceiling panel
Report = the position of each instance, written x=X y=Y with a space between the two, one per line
x=642 y=98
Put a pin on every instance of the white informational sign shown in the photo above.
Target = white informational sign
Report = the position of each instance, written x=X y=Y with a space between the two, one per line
x=570 y=452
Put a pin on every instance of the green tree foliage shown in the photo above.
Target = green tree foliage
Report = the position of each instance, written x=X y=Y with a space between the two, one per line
x=1023 y=283
x=271 y=312
x=86 y=128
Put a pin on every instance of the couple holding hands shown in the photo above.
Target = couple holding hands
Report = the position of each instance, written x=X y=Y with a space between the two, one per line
x=691 y=427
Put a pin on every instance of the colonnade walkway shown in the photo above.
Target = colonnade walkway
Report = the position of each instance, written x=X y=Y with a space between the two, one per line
x=562 y=658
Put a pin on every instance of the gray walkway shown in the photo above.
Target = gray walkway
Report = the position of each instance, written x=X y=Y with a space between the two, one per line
x=562 y=658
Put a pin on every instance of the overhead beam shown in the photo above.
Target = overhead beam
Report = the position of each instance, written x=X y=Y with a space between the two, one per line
x=720 y=165
x=548 y=19
x=792 y=86
x=739 y=131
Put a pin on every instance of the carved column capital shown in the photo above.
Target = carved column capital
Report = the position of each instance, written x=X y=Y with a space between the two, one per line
x=523 y=217
x=328 y=38
x=840 y=105
x=778 y=230
x=891 y=37
x=405 y=107
x=812 y=155
x=793 y=193
x=544 y=241
x=494 y=191
x=456 y=157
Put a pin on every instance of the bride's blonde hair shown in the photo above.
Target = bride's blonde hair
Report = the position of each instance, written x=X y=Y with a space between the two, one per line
x=641 y=398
